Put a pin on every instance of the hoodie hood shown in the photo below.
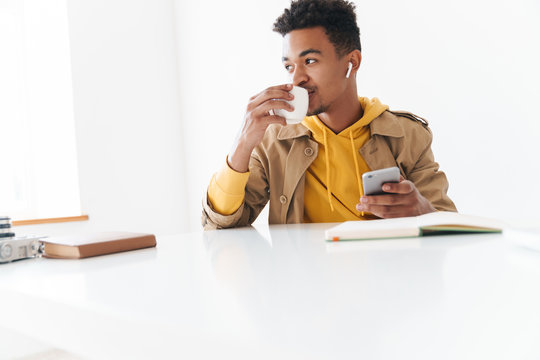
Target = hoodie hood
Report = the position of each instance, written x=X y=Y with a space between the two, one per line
x=372 y=109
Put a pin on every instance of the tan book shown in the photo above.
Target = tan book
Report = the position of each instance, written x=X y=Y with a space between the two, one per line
x=436 y=223
x=87 y=245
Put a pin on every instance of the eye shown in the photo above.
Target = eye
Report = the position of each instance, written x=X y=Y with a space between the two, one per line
x=310 y=61
x=288 y=67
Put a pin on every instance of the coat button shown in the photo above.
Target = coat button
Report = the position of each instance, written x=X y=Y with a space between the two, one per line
x=308 y=151
x=283 y=199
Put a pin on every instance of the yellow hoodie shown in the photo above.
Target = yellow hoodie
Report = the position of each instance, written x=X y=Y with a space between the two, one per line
x=334 y=179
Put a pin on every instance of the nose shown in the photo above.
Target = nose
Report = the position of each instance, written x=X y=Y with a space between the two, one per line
x=299 y=76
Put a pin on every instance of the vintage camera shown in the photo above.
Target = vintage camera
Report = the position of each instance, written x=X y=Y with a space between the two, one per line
x=16 y=248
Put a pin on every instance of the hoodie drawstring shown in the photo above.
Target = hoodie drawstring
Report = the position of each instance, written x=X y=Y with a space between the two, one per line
x=326 y=151
x=360 y=189
x=326 y=157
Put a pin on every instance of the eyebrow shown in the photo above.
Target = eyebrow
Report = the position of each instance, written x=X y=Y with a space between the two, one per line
x=304 y=53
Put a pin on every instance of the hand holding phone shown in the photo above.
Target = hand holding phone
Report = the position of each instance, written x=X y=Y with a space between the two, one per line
x=402 y=199
x=373 y=180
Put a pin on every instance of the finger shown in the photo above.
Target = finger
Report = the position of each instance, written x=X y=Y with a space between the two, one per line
x=275 y=92
x=404 y=187
x=265 y=107
x=387 y=200
x=284 y=87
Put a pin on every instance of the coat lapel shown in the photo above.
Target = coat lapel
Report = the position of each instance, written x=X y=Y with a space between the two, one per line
x=302 y=153
x=376 y=151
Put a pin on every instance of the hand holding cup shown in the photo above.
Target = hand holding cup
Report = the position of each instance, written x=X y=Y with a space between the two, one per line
x=300 y=103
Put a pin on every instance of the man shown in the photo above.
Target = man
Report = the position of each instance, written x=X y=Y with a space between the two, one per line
x=311 y=172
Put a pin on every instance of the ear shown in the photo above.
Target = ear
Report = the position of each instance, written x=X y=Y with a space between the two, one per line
x=355 y=58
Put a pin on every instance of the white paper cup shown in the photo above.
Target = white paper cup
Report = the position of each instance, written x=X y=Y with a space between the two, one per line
x=300 y=104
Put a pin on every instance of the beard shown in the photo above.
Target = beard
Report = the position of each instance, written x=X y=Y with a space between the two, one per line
x=318 y=110
x=322 y=108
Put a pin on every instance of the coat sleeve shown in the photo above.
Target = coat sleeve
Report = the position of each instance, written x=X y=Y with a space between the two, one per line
x=425 y=174
x=255 y=199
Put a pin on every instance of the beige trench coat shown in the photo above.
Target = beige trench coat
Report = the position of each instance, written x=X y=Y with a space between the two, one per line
x=278 y=165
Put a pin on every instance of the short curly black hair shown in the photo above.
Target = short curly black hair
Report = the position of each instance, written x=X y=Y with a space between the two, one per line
x=337 y=17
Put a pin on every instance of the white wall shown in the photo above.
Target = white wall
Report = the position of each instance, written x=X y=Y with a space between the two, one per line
x=127 y=114
x=160 y=90
x=469 y=67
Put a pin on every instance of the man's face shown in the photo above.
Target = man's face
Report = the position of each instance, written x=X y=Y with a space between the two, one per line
x=312 y=63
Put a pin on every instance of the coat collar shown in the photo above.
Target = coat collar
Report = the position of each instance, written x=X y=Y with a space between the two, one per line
x=293 y=131
x=386 y=124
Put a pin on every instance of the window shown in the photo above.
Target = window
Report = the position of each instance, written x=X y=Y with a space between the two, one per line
x=39 y=177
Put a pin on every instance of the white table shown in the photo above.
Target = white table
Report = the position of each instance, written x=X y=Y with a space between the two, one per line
x=283 y=292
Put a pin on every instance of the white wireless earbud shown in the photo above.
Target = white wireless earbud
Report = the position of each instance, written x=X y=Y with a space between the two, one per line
x=349 y=70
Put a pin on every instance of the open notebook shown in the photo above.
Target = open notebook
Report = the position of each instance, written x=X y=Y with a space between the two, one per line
x=436 y=223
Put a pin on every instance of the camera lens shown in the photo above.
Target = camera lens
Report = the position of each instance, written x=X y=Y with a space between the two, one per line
x=6 y=251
